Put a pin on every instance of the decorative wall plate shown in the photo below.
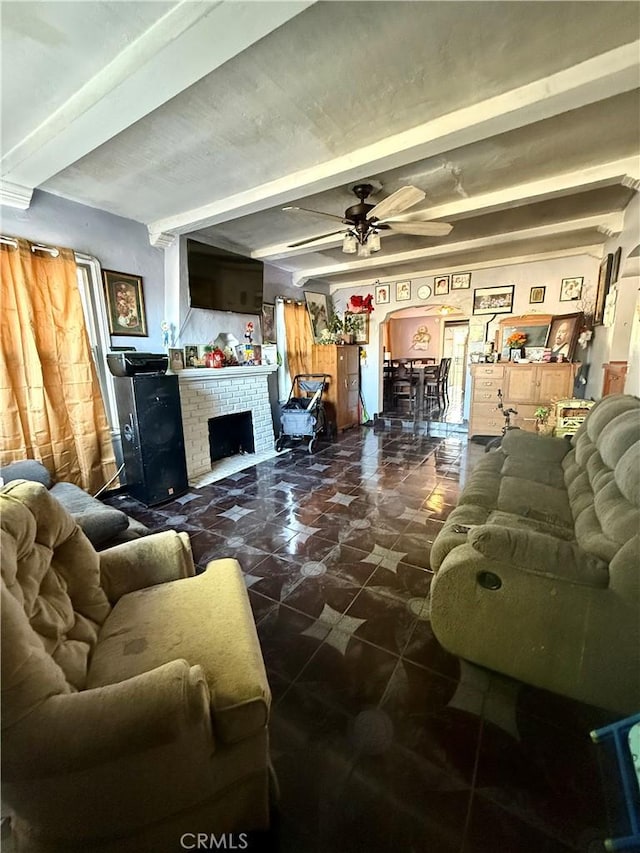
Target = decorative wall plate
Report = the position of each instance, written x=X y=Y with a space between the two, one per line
x=424 y=291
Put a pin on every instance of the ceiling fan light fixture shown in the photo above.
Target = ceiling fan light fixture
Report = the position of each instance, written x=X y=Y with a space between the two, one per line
x=364 y=249
x=373 y=242
x=349 y=244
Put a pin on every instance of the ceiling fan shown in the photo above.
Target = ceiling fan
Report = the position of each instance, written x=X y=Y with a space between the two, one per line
x=365 y=221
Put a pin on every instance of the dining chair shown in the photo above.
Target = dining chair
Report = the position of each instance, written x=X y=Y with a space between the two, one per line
x=404 y=386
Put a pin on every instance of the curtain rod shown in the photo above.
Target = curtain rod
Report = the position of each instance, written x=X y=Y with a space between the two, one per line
x=35 y=247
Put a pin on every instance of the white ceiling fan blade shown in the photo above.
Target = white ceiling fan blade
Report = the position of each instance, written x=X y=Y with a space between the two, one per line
x=422 y=229
x=317 y=212
x=398 y=201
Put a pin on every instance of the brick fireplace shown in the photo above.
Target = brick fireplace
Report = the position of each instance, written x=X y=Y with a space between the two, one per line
x=210 y=393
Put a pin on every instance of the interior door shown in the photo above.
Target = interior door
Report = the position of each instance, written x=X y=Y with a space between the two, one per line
x=454 y=347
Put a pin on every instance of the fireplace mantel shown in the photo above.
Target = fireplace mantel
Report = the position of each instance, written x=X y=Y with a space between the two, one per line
x=197 y=374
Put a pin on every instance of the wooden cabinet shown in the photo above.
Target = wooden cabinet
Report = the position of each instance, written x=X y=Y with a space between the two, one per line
x=342 y=396
x=524 y=387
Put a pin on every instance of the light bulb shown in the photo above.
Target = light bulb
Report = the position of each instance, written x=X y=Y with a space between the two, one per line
x=349 y=244
x=374 y=242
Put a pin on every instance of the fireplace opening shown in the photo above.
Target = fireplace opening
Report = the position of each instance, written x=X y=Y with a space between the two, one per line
x=230 y=435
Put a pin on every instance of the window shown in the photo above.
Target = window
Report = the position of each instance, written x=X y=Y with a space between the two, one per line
x=92 y=296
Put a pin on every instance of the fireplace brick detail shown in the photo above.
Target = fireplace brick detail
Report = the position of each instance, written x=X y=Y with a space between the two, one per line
x=222 y=392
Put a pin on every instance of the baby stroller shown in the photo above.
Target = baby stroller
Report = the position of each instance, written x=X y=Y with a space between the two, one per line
x=303 y=415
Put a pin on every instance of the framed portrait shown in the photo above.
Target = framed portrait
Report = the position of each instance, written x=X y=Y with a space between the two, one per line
x=563 y=336
x=441 y=285
x=493 y=300
x=383 y=294
x=176 y=359
x=191 y=358
x=318 y=309
x=125 y=303
x=571 y=289
x=268 y=323
x=536 y=295
x=403 y=291
x=461 y=281
x=361 y=336
x=604 y=280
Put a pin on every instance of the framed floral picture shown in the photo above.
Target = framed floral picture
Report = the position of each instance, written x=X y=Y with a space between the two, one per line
x=383 y=295
x=125 y=303
x=268 y=323
x=604 y=280
x=318 y=308
x=461 y=281
x=403 y=291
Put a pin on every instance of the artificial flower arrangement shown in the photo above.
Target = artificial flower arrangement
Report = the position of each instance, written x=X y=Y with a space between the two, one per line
x=360 y=304
x=517 y=340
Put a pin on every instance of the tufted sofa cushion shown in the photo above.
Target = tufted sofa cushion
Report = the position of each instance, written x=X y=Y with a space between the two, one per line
x=55 y=605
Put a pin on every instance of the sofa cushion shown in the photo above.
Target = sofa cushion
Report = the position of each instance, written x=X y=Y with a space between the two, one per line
x=518 y=442
x=604 y=412
x=626 y=474
x=152 y=627
x=536 y=501
x=535 y=470
x=26 y=469
x=100 y=523
x=618 y=436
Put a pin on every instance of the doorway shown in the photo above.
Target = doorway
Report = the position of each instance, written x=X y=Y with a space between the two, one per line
x=454 y=346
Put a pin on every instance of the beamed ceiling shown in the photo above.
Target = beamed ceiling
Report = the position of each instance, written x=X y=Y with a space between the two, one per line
x=520 y=121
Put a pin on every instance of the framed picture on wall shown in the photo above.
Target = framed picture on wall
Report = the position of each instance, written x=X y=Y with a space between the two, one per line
x=268 y=323
x=403 y=291
x=493 y=300
x=318 y=309
x=461 y=281
x=383 y=294
x=536 y=295
x=361 y=335
x=563 y=336
x=441 y=285
x=571 y=289
x=604 y=280
x=125 y=303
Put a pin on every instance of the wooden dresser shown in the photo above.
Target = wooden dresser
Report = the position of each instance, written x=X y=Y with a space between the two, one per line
x=524 y=387
x=342 y=397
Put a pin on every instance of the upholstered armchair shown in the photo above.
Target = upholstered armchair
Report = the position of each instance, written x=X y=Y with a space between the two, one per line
x=134 y=697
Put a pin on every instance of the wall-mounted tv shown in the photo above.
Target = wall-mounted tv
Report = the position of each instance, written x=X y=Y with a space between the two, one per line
x=223 y=281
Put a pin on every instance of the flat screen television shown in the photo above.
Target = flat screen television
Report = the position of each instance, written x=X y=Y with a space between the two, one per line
x=223 y=281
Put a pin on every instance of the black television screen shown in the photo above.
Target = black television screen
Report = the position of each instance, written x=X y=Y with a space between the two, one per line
x=223 y=281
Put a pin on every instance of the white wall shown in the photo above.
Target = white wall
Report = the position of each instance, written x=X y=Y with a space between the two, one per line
x=118 y=244
x=545 y=273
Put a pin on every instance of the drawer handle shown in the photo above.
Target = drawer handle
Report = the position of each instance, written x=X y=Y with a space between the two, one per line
x=488 y=383
x=487 y=396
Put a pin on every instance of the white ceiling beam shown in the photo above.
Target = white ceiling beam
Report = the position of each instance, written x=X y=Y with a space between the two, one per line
x=610 y=222
x=594 y=251
x=604 y=174
x=187 y=43
x=600 y=77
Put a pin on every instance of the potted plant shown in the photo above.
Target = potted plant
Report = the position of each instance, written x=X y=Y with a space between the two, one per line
x=541 y=415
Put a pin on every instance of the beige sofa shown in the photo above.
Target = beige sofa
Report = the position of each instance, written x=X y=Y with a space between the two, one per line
x=538 y=567
x=134 y=697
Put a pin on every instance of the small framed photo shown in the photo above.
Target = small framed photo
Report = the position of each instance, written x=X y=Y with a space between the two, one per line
x=191 y=358
x=536 y=295
x=461 y=281
x=403 y=291
x=441 y=285
x=176 y=359
x=125 y=303
x=268 y=323
x=493 y=300
x=383 y=295
x=571 y=289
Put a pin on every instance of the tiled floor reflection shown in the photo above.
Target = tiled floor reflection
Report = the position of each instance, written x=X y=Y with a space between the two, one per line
x=382 y=741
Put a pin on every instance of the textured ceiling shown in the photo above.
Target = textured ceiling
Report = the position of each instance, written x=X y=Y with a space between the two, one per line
x=337 y=79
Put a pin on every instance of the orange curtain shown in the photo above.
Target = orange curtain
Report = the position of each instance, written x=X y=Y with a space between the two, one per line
x=299 y=338
x=52 y=408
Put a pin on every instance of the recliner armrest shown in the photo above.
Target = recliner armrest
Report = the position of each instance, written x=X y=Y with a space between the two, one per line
x=71 y=732
x=152 y=560
x=540 y=554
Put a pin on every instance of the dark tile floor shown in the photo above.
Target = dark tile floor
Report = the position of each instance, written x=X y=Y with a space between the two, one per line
x=382 y=741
